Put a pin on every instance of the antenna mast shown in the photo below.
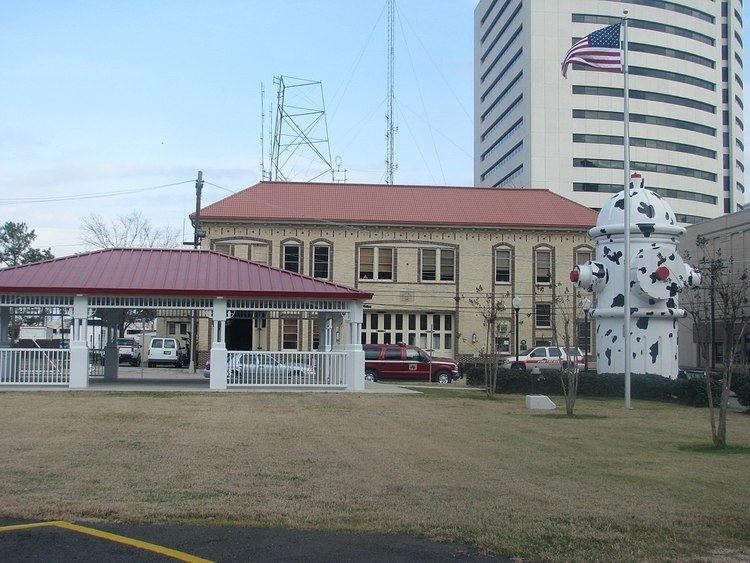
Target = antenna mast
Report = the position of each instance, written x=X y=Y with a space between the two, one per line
x=391 y=129
x=262 y=127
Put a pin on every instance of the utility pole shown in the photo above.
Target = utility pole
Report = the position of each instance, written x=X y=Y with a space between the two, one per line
x=197 y=236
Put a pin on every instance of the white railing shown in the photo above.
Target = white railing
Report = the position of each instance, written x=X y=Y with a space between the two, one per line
x=34 y=366
x=286 y=369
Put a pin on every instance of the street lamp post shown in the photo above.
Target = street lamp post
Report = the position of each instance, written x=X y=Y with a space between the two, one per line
x=516 y=307
x=586 y=305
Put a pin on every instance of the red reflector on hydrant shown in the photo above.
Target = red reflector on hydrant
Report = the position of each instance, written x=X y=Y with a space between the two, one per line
x=662 y=273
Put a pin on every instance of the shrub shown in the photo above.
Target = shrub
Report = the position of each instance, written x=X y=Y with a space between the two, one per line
x=741 y=387
x=642 y=386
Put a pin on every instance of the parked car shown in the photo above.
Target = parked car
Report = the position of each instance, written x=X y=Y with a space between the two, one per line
x=399 y=361
x=263 y=369
x=166 y=351
x=546 y=358
x=129 y=350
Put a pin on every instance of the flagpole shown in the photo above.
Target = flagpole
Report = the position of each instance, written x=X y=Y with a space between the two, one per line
x=626 y=231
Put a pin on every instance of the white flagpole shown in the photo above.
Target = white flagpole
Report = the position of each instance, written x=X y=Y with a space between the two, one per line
x=626 y=232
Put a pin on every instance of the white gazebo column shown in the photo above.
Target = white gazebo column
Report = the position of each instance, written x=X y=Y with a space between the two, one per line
x=79 y=350
x=218 y=345
x=111 y=352
x=6 y=362
x=355 y=355
x=325 y=332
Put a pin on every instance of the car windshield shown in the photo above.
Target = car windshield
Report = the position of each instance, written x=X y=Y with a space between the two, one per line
x=573 y=352
x=125 y=342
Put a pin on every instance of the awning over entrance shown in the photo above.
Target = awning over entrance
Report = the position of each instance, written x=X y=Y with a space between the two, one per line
x=175 y=279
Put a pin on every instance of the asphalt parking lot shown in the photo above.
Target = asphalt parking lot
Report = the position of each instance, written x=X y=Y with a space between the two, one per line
x=60 y=541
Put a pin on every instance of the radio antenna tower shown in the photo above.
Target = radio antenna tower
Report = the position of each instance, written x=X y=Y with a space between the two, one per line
x=390 y=125
x=262 y=130
x=300 y=146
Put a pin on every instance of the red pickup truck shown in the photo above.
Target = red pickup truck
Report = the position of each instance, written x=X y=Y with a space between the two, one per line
x=399 y=361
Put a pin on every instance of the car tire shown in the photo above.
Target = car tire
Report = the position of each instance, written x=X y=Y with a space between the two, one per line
x=150 y=364
x=518 y=365
x=371 y=375
x=443 y=377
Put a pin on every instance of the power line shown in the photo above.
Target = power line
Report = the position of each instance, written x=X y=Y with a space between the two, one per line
x=91 y=195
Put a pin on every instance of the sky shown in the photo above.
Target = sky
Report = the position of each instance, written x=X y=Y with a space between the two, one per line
x=103 y=97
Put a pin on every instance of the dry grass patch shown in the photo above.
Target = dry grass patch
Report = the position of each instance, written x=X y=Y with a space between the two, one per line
x=608 y=485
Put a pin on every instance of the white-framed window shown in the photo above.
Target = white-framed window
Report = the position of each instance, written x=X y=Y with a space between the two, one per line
x=543 y=315
x=583 y=255
x=321 y=257
x=438 y=264
x=376 y=263
x=503 y=265
x=224 y=248
x=543 y=264
x=289 y=334
x=258 y=252
x=291 y=256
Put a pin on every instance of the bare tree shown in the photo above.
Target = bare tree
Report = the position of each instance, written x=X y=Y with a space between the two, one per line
x=126 y=231
x=490 y=308
x=563 y=327
x=729 y=287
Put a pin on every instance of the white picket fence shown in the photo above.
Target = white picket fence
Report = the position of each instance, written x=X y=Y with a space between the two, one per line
x=286 y=369
x=34 y=366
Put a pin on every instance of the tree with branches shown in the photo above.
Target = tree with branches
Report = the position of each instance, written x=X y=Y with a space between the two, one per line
x=15 y=245
x=725 y=290
x=133 y=230
x=490 y=308
x=563 y=326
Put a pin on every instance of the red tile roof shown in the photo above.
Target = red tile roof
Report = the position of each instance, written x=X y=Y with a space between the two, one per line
x=164 y=272
x=388 y=205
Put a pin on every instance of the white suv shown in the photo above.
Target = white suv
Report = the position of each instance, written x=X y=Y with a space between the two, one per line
x=546 y=358
x=166 y=351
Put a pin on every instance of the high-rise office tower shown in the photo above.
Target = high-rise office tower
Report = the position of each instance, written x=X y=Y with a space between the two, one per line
x=535 y=128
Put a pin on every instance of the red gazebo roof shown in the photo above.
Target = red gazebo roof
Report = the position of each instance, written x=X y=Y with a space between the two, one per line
x=166 y=272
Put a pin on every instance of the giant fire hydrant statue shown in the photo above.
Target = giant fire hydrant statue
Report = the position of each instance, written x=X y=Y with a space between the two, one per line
x=657 y=275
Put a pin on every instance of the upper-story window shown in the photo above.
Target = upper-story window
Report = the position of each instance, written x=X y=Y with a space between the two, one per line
x=224 y=248
x=543 y=259
x=291 y=256
x=258 y=252
x=503 y=265
x=438 y=264
x=376 y=263
x=321 y=257
x=583 y=255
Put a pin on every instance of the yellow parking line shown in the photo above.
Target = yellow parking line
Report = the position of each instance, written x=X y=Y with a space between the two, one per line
x=173 y=553
x=13 y=527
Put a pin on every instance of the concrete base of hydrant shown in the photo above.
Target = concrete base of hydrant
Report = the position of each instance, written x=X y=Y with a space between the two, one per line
x=539 y=402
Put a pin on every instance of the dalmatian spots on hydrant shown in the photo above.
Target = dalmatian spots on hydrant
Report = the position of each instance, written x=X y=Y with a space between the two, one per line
x=657 y=273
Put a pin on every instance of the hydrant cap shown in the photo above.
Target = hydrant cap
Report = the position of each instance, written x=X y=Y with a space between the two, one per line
x=646 y=207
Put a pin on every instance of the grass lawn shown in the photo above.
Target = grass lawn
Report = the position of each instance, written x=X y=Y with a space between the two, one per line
x=448 y=465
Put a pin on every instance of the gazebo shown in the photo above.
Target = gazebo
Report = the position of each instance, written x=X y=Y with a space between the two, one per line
x=218 y=286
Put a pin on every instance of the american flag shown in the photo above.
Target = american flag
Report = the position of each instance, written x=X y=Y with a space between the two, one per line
x=600 y=49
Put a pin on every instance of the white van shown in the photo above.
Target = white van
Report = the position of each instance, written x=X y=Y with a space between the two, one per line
x=165 y=351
